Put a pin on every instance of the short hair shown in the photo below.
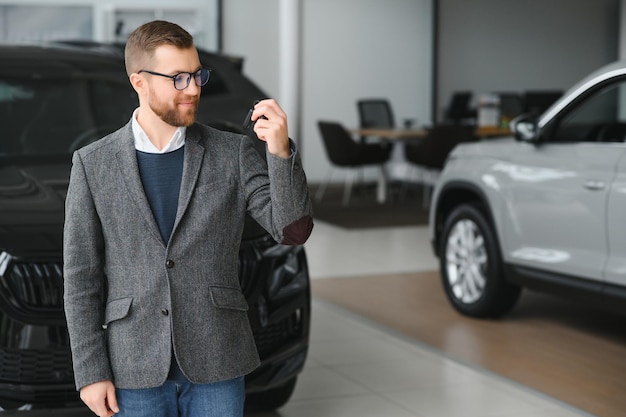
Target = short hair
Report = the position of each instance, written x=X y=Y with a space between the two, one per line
x=143 y=41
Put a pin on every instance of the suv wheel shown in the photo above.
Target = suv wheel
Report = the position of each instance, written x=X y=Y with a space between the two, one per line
x=471 y=265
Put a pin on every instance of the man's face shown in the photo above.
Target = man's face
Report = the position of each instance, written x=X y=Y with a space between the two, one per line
x=174 y=107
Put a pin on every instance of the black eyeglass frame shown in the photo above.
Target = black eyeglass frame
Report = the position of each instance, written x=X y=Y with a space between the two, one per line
x=191 y=75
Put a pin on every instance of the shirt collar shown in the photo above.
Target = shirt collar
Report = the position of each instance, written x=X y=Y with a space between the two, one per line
x=143 y=143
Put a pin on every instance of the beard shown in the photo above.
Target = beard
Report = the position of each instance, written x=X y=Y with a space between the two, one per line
x=171 y=114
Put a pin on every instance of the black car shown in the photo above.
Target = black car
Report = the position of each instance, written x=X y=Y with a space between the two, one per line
x=54 y=99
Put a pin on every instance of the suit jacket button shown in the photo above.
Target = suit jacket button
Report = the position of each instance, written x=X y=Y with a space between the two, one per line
x=169 y=264
x=165 y=312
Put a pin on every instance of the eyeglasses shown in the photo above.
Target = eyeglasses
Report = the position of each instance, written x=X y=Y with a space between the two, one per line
x=182 y=79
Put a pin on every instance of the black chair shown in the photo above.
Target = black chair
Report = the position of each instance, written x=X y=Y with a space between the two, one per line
x=431 y=152
x=344 y=152
x=375 y=113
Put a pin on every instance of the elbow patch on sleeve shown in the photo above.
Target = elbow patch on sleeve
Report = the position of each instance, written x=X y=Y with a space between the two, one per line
x=298 y=232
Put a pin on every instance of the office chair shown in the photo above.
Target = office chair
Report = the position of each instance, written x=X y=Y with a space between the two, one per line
x=342 y=151
x=375 y=112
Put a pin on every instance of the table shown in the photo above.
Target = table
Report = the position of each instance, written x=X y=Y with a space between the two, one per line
x=387 y=133
x=404 y=134
x=492 y=131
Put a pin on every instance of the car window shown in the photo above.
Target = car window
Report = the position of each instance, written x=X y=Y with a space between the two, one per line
x=57 y=115
x=600 y=117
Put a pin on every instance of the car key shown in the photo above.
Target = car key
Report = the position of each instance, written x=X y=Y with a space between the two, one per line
x=247 y=122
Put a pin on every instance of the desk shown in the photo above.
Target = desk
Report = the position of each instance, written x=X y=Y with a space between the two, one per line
x=403 y=134
x=492 y=131
x=387 y=133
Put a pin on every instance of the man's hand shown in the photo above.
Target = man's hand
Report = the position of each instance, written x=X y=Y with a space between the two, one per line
x=272 y=128
x=100 y=398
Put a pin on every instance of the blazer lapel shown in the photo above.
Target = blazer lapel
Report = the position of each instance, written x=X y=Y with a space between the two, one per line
x=127 y=161
x=194 y=154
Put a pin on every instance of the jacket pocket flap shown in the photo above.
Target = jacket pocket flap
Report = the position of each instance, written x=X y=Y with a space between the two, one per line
x=228 y=297
x=117 y=309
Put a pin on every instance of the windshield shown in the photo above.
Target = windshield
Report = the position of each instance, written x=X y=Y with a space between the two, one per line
x=60 y=114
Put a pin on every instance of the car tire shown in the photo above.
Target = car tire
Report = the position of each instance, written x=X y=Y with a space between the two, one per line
x=271 y=399
x=471 y=265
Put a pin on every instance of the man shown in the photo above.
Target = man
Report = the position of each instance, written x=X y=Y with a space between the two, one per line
x=154 y=217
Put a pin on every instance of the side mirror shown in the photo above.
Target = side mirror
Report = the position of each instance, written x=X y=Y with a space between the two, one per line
x=524 y=127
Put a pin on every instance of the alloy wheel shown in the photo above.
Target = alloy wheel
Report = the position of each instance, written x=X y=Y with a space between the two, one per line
x=466 y=261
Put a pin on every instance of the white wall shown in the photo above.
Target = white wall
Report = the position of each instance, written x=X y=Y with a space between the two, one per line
x=251 y=30
x=622 y=32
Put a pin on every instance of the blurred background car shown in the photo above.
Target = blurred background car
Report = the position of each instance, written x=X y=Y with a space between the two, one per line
x=543 y=209
x=54 y=99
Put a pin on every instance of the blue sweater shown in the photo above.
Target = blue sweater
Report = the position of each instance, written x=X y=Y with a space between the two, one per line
x=161 y=175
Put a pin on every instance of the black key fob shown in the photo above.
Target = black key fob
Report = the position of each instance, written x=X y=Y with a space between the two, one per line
x=247 y=122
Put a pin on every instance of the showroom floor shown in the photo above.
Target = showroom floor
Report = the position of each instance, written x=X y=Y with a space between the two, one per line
x=362 y=369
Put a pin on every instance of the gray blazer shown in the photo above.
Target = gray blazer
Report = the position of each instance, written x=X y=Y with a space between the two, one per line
x=130 y=297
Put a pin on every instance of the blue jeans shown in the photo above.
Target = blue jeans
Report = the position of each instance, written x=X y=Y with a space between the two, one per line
x=184 y=399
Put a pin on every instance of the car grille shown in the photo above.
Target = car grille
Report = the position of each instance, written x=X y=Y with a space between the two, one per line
x=31 y=287
x=36 y=366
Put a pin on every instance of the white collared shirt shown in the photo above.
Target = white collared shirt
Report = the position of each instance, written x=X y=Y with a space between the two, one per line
x=143 y=143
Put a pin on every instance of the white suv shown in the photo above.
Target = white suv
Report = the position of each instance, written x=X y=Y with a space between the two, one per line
x=543 y=209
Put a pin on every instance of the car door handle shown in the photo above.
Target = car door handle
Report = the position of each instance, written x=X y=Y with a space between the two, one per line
x=595 y=185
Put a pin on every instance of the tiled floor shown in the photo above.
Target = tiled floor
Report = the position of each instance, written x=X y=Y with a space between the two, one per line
x=359 y=369
x=334 y=252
